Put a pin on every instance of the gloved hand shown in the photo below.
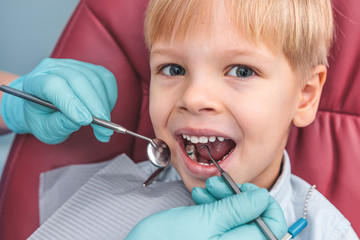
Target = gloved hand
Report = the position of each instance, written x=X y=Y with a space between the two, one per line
x=217 y=189
x=80 y=90
x=227 y=218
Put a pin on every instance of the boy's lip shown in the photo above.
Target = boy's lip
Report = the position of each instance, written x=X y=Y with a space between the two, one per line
x=193 y=167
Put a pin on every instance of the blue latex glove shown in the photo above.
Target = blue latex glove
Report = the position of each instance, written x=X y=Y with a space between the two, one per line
x=227 y=218
x=80 y=90
x=217 y=189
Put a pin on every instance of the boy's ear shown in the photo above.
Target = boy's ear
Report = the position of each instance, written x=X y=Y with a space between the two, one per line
x=310 y=97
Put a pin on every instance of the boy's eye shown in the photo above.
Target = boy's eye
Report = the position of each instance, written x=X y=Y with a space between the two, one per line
x=173 y=70
x=241 y=72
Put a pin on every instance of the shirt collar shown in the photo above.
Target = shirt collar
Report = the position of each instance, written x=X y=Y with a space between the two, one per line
x=282 y=188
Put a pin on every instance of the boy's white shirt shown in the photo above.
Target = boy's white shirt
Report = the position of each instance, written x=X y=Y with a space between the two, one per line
x=105 y=200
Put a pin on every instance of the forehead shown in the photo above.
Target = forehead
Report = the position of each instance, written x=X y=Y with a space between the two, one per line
x=201 y=19
x=213 y=33
x=193 y=19
x=219 y=43
x=209 y=25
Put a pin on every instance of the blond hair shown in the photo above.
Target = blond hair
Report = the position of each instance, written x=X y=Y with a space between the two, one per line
x=301 y=29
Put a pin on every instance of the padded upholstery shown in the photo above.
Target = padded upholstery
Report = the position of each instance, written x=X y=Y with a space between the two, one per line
x=327 y=153
x=110 y=33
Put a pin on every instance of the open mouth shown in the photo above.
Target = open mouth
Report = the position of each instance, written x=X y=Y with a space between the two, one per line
x=219 y=147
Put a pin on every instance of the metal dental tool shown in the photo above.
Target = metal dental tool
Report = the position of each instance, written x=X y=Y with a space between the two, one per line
x=157 y=150
x=236 y=190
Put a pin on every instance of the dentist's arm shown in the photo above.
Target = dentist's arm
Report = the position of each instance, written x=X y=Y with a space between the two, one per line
x=5 y=78
x=79 y=90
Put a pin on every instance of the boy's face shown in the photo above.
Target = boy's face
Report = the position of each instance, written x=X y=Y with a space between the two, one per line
x=220 y=85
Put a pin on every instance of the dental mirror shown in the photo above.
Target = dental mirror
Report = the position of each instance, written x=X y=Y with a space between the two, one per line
x=159 y=155
x=157 y=150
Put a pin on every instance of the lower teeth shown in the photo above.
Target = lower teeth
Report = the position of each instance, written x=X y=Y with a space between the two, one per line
x=205 y=164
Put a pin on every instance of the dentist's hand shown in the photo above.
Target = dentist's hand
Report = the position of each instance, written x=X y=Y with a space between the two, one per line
x=80 y=90
x=228 y=218
x=216 y=189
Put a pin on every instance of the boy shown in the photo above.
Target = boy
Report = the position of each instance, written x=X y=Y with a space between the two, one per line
x=234 y=75
x=242 y=72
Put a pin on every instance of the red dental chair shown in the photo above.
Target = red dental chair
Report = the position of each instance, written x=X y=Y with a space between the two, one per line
x=110 y=33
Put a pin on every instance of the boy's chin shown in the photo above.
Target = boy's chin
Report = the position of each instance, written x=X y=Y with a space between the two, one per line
x=191 y=182
x=190 y=185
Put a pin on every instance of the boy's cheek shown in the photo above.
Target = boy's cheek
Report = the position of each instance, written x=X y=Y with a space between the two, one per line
x=156 y=115
x=154 y=108
x=159 y=119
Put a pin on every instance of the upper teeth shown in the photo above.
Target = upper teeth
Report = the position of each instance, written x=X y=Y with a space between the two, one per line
x=202 y=139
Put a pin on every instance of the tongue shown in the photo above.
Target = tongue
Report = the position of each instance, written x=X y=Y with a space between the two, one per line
x=217 y=149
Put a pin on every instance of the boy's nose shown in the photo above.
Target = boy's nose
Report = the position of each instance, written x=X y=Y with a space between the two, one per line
x=200 y=97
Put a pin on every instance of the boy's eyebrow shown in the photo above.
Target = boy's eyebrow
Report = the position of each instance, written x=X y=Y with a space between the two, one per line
x=267 y=55
x=164 y=51
x=263 y=55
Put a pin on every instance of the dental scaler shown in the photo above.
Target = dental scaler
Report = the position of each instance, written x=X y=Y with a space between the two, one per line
x=236 y=190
